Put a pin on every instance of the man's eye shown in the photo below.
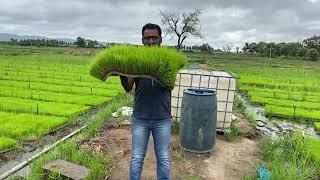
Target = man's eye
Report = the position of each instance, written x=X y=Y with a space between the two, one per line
x=151 y=37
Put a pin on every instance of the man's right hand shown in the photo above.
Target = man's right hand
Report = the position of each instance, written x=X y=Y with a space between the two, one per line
x=127 y=82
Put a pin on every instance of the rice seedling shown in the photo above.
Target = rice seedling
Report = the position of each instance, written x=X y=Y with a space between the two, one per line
x=292 y=93
x=18 y=105
x=286 y=103
x=291 y=80
x=159 y=63
x=77 y=83
x=55 y=75
x=41 y=93
x=7 y=143
x=247 y=88
x=291 y=112
x=112 y=88
x=295 y=96
x=28 y=126
x=285 y=86
x=87 y=100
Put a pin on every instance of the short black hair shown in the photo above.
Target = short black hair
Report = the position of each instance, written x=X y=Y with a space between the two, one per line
x=151 y=26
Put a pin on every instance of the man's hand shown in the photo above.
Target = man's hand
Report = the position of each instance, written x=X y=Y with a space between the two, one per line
x=127 y=82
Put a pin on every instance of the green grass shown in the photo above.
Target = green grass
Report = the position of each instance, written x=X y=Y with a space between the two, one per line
x=315 y=148
x=234 y=131
x=242 y=107
x=317 y=127
x=290 y=157
x=98 y=164
x=103 y=115
x=158 y=62
x=7 y=143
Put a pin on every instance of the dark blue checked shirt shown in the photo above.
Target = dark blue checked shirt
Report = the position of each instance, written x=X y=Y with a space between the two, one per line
x=152 y=101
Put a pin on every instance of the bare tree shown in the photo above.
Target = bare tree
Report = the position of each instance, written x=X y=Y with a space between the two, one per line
x=182 y=26
x=227 y=47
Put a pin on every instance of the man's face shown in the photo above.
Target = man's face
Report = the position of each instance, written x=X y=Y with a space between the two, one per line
x=151 y=37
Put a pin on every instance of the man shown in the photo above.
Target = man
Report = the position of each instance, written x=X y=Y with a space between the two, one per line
x=151 y=114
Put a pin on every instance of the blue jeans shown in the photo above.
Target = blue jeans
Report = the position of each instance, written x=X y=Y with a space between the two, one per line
x=140 y=129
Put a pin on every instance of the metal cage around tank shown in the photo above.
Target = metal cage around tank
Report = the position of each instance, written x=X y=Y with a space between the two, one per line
x=222 y=82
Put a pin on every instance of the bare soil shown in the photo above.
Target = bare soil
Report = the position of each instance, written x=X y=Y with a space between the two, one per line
x=229 y=160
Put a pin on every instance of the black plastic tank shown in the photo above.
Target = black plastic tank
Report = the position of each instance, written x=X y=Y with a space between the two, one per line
x=198 y=120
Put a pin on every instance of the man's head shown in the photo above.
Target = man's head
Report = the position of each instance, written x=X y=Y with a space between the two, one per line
x=151 y=35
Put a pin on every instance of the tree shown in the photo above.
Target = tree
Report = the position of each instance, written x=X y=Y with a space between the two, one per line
x=206 y=48
x=262 y=48
x=92 y=43
x=227 y=47
x=182 y=26
x=80 y=42
x=313 y=42
x=13 y=41
x=246 y=47
x=302 y=51
x=312 y=54
x=237 y=48
x=253 y=48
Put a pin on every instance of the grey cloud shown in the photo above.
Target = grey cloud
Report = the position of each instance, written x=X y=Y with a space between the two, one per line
x=223 y=21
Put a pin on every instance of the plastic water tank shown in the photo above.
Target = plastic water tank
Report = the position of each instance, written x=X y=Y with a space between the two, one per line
x=198 y=120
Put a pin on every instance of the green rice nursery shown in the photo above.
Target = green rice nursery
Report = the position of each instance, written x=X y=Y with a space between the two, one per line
x=40 y=93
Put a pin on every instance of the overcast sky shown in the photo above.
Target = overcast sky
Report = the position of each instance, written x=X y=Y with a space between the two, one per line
x=223 y=21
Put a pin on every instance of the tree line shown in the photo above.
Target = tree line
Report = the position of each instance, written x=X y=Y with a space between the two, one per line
x=39 y=42
x=309 y=48
x=80 y=42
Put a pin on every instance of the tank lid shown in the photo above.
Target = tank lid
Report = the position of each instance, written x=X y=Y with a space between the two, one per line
x=200 y=91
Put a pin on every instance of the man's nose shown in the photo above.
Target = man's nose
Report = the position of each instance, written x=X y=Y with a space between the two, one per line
x=151 y=41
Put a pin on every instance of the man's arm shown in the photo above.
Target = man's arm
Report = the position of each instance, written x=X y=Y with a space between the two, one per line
x=127 y=83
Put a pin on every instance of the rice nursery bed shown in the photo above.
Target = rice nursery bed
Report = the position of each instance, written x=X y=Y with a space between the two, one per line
x=40 y=93
x=288 y=92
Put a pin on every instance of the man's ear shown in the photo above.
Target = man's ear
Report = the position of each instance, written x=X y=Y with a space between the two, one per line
x=142 y=40
x=160 y=41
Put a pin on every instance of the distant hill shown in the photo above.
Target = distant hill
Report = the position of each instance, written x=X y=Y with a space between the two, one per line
x=7 y=37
